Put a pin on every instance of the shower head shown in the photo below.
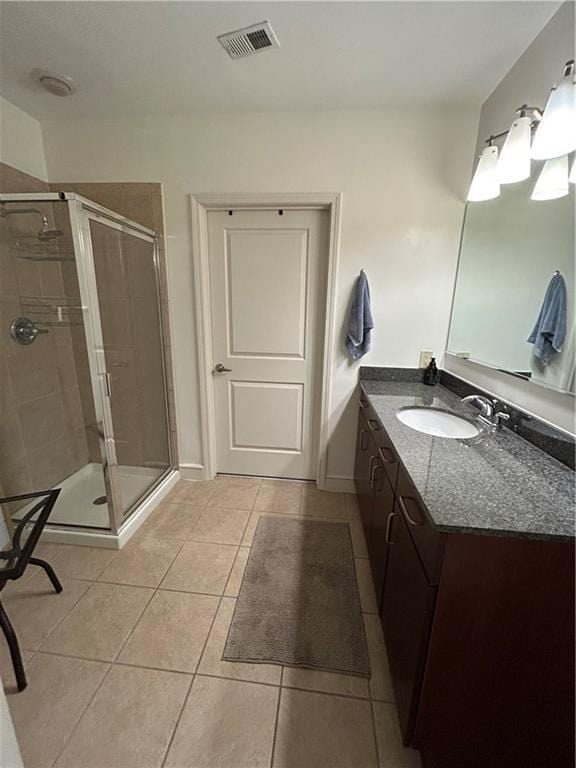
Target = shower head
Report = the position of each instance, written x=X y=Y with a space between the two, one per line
x=46 y=234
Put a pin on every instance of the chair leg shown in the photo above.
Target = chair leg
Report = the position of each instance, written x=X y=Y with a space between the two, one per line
x=12 y=641
x=49 y=571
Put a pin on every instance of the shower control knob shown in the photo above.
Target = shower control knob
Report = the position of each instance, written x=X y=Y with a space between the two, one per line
x=219 y=368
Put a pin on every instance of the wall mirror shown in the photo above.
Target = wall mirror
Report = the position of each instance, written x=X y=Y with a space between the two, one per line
x=510 y=250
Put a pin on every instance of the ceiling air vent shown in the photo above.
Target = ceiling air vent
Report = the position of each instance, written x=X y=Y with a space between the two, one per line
x=249 y=40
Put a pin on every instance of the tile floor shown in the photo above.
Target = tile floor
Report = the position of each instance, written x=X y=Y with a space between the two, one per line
x=125 y=666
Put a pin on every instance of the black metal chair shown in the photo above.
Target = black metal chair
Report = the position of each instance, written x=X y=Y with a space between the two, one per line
x=16 y=560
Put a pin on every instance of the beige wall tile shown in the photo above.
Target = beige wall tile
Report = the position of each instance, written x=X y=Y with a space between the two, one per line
x=225 y=724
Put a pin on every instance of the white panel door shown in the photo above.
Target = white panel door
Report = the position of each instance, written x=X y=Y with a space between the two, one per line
x=268 y=287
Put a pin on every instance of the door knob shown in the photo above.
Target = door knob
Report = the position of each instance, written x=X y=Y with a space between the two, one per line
x=219 y=368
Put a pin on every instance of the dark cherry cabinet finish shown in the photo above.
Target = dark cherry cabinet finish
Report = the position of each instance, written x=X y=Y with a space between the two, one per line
x=479 y=629
x=407 y=609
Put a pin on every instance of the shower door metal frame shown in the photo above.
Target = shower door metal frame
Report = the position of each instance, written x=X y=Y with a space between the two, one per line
x=81 y=211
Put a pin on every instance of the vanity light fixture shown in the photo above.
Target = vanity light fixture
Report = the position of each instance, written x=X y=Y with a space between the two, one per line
x=553 y=180
x=514 y=161
x=485 y=184
x=556 y=134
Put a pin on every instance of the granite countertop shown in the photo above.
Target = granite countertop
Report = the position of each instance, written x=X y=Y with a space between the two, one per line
x=496 y=484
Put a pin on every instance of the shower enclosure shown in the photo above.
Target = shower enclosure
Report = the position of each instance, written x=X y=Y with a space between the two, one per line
x=83 y=394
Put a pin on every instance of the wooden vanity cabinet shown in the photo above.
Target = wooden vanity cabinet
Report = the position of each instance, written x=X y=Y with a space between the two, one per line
x=479 y=629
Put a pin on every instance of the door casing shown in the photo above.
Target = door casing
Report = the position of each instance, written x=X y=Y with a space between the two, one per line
x=200 y=205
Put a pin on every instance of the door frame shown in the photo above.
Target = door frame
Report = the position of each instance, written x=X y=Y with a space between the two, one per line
x=201 y=205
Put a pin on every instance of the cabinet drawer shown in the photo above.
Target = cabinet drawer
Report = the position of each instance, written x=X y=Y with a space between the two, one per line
x=387 y=454
x=428 y=541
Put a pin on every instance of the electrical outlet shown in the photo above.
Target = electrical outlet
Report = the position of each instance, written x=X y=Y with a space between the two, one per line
x=425 y=357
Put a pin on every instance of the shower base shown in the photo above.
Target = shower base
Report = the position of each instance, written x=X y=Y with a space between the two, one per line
x=75 y=505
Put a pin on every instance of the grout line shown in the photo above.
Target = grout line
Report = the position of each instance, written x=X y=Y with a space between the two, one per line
x=374 y=736
x=276 y=719
x=177 y=722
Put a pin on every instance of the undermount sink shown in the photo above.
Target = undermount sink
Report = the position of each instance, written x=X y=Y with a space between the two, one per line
x=437 y=422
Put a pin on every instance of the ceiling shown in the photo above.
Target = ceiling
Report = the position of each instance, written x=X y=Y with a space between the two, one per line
x=146 y=58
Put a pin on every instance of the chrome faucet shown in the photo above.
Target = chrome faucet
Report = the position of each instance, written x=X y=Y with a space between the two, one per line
x=488 y=416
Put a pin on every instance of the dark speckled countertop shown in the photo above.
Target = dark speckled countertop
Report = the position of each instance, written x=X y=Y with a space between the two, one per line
x=495 y=484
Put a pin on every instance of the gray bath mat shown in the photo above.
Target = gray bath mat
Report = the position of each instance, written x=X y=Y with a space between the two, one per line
x=299 y=603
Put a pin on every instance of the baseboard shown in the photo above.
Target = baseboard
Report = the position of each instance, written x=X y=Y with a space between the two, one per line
x=84 y=538
x=192 y=472
x=339 y=484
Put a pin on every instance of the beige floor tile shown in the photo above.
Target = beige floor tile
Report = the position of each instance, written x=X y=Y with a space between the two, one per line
x=225 y=724
x=366 y=586
x=143 y=562
x=325 y=682
x=323 y=503
x=381 y=681
x=391 y=751
x=77 y=562
x=172 y=631
x=201 y=567
x=45 y=713
x=7 y=668
x=352 y=506
x=212 y=663
x=35 y=609
x=129 y=722
x=196 y=492
x=358 y=539
x=98 y=626
x=279 y=496
x=235 y=492
x=248 y=538
x=220 y=526
x=237 y=573
x=324 y=732
x=171 y=521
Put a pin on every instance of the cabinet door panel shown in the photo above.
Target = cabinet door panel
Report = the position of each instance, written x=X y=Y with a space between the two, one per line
x=382 y=510
x=407 y=608
x=366 y=456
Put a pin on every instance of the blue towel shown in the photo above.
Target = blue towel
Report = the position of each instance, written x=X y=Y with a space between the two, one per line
x=550 y=329
x=361 y=323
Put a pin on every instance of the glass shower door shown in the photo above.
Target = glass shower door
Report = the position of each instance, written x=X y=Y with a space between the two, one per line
x=131 y=358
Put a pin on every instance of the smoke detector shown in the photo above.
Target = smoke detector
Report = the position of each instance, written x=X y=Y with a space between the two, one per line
x=57 y=85
x=249 y=40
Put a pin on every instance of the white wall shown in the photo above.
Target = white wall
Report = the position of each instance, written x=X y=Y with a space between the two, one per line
x=21 y=144
x=528 y=82
x=403 y=174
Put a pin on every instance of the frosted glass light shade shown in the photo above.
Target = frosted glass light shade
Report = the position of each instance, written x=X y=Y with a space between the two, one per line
x=514 y=161
x=572 y=177
x=485 y=184
x=553 y=180
x=556 y=133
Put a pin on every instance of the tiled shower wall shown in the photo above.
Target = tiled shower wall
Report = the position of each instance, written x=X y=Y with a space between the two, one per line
x=47 y=421
x=42 y=423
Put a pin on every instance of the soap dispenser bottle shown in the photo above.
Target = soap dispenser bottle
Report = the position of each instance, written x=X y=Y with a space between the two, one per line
x=431 y=373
